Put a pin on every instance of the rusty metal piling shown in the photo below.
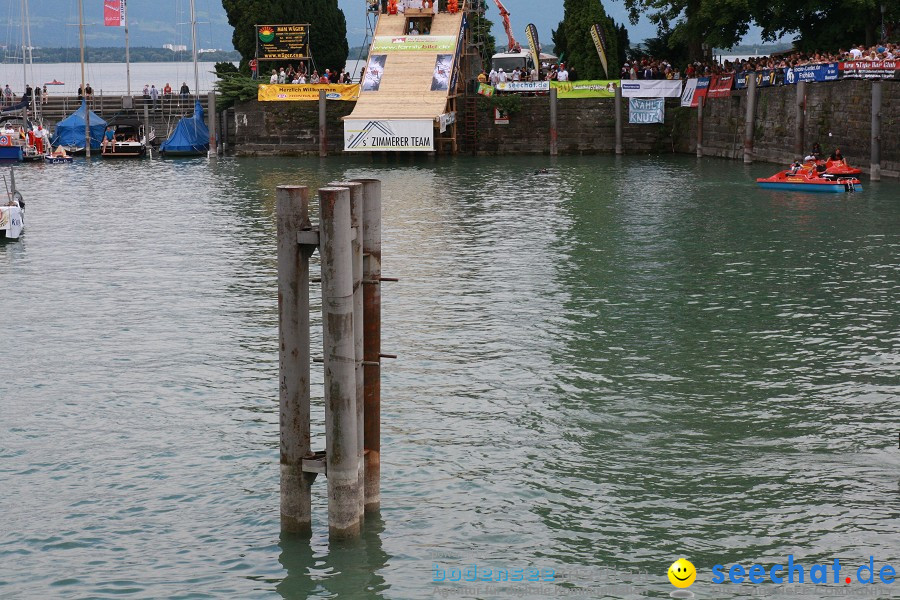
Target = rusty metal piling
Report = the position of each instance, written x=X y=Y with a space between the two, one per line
x=617 y=107
x=323 y=134
x=371 y=247
x=553 y=130
x=342 y=463
x=700 y=103
x=292 y=216
x=356 y=210
x=875 y=153
x=800 y=120
x=749 y=122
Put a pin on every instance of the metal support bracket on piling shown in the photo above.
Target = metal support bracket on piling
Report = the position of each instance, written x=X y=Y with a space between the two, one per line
x=316 y=463
x=308 y=237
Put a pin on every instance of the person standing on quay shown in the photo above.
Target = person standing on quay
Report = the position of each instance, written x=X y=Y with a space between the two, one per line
x=185 y=91
x=44 y=95
x=154 y=96
x=254 y=68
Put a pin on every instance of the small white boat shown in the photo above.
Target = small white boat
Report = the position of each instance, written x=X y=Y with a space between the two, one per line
x=12 y=212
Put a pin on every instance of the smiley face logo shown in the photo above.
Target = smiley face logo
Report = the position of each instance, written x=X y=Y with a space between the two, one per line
x=682 y=573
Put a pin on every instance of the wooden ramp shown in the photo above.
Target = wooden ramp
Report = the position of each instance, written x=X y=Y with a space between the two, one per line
x=405 y=88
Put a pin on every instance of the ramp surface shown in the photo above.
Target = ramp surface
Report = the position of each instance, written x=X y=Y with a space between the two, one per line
x=405 y=88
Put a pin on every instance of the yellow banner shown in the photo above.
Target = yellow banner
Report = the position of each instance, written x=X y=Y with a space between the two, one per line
x=298 y=92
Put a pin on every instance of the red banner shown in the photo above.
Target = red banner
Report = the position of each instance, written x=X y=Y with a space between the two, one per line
x=720 y=87
x=113 y=13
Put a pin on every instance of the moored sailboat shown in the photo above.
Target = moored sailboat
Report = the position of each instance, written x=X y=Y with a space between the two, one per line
x=191 y=135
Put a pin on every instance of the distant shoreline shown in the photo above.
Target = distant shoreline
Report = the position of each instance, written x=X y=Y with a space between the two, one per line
x=116 y=55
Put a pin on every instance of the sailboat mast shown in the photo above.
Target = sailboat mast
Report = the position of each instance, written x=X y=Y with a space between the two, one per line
x=194 y=49
x=30 y=58
x=24 y=61
x=127 y=57
x=87 y=111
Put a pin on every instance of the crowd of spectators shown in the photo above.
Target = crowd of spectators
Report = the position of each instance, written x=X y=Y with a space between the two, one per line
x=652 y=68
x=300 y=75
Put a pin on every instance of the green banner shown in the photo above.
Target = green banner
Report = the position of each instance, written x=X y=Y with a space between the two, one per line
x=414 y=43
x=589 y=88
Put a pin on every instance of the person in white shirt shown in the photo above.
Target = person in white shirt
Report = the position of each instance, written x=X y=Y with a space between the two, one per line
x=534 y=74
x=501 y=76
x=274 y=77
x=856 y=53
x=562 y=74
x=515 y=75
x=492 y=77
x=281 y=76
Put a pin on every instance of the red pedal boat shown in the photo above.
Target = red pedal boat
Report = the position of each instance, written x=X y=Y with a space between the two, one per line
x=807 y=179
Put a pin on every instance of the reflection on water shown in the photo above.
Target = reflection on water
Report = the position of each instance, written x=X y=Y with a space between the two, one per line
x=601 y=368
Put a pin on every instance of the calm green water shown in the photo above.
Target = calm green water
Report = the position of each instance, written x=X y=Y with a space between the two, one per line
x=602 y=368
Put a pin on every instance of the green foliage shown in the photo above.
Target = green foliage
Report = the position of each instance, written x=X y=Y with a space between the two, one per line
x=224 y=68
x=828 y=25
x=623 y=44
x=481 y=34
x=664 y=45
x=327 y=36
x=509 y=103
x=699 y=23
x=234 y=87
x=574 y=43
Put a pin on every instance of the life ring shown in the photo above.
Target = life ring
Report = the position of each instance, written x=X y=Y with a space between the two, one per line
x=4 y=140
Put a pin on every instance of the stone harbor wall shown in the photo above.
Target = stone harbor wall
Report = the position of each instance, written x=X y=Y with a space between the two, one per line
x=838 y=114
x=284 y=128
x=584 y=126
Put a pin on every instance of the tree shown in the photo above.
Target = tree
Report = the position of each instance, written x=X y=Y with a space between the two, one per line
x=622 y=43
x=575 y=45
x=327 y=35
x=698 y=23
x=827 y=25
x=662 y=46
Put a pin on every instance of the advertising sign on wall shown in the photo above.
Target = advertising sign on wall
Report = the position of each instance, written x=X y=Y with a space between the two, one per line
x=646 y=110
x=694 y=89
x=282 y=42
x=394 y=135
x=523 y=86
x=823 y=72
x=651 y=88
x=687 y=96
x=875 y=69
x=720 y=86
x=300 y=92
x=587 y=88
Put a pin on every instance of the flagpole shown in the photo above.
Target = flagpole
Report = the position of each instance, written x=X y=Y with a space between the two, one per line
x=87 y=110
x=124 y=10
x=194 y=50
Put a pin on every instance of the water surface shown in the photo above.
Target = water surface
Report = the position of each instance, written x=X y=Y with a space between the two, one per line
x=601 y=368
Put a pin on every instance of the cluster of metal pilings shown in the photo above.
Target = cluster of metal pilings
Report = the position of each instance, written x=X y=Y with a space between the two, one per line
x=348 y=238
